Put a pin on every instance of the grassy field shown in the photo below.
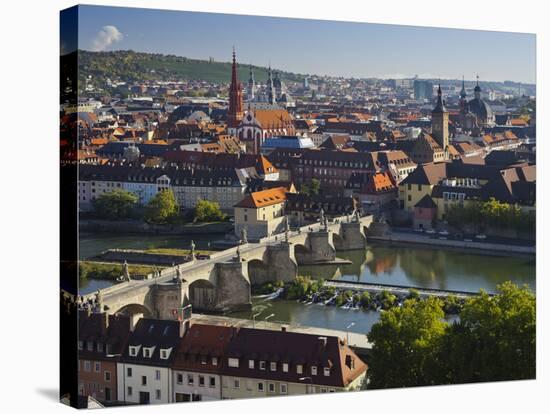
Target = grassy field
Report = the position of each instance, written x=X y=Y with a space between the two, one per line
x=110 y=271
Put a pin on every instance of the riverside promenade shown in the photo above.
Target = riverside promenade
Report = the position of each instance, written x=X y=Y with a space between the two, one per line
x=481 y=247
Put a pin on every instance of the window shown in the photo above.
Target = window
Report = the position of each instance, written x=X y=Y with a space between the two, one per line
x=326 y=372
x=212 y=381
x=163 y=354
x=90 y=345
x=214 y=361
x=283 y=388
x=99 y=347
x=97 y=367
x=236 y=383
x=299 y=369
x=251 y=364
x=133 y=350
x=157 y=374
x=107 y=394
x=262 y=365
x=273 y=366
x=233 y=362
x=201 y=381
x=179 y=378
x=143 y=380
x=271 y=387
x=87 y=366
x=261 y=386
x=157 y=394
x=129 y=391
x=313 y=370
x=128 y=372
x=80 y=345
x=147 y=352
x=190 y=379
x=285 y=366
x=323 y=390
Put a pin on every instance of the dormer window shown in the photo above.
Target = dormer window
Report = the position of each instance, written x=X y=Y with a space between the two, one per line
x=214 y=361
x=273 y=366
x=165 y=353
x=90 y=345
x=326 y=372
x=133 y=350
x=313 y=370
x=99 y=347
x=251 y=364
x=233 y=362
x=285 y=367
x=299 y=369
x=148 y=352
x=262 y=365
x=80 y=345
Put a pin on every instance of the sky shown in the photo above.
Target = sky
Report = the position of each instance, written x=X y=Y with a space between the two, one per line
x=313 y=46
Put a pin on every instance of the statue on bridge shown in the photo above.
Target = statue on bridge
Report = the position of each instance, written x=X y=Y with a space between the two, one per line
x=322 y=216
x=125 y=272
x=357 y=216
x=239 y=257
x=244 y=235
x=99 y=301
x=192 y=251
x=179 y=278
x=287 y=229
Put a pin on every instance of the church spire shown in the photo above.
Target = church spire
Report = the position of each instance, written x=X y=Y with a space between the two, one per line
x=235 y=111
x=439 y=106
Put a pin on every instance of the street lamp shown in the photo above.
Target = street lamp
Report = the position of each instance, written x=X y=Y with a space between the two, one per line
x=254 y=318
x=347 y=331
x=302 y=379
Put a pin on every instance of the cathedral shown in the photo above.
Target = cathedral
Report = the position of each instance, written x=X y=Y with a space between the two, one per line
x=263 y=117
x=476 y=113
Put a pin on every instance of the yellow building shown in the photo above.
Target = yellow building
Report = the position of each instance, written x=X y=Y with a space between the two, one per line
x=261 y=213
x=420 y=183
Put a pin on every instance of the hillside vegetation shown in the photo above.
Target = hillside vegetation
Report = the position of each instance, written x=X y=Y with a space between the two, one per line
x=130 y=66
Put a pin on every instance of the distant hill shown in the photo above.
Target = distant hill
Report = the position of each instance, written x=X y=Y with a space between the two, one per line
x=137 y=66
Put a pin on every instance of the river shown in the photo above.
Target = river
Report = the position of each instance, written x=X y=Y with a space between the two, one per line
x=413 y=265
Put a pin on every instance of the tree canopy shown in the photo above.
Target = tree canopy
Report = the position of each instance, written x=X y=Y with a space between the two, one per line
x=313 y=188
x=494 y=340
x=116 y=204
x=208 y=212
x=162 y=208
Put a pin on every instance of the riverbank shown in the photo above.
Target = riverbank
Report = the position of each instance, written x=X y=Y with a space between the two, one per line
x=404 y=239
x=141 y=227
x=308 y=291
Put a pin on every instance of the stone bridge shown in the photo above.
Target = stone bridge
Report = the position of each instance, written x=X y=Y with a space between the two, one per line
x=223 y=282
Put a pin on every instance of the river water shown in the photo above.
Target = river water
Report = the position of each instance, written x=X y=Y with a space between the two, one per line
x=413 y=266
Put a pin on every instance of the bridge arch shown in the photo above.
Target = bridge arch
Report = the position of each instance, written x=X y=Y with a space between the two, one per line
x=258 y=272
x=202 y=294
x=136 y=308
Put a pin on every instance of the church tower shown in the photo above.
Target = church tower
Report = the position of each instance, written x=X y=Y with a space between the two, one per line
x=251 y=86
x=440 y=122
x=269 y=92
x=463 y=102
x=235 y=112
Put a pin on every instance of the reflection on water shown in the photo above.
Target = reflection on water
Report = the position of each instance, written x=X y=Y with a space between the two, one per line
x=295 y=313
x=425 y=267
x=86 y=286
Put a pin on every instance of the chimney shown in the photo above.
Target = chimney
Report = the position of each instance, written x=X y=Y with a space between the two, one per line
x=134 y=320
x=184 y=327
x=283 y=328
x=104 y=322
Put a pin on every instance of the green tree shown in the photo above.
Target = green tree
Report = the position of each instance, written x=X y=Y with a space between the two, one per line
x=208 y=211
x=313 y=188
x=406 y=343
x=162 y=208
x=495 y=339
x=116 y=204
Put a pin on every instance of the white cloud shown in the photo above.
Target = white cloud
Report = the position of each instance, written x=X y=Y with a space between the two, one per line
x=106 y=37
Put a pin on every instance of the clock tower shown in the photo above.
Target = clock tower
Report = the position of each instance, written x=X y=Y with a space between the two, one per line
x=440 y=122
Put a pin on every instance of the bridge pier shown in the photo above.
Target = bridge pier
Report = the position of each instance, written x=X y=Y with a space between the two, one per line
x=320 y=248
x=353 y=236
x=232 y=286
